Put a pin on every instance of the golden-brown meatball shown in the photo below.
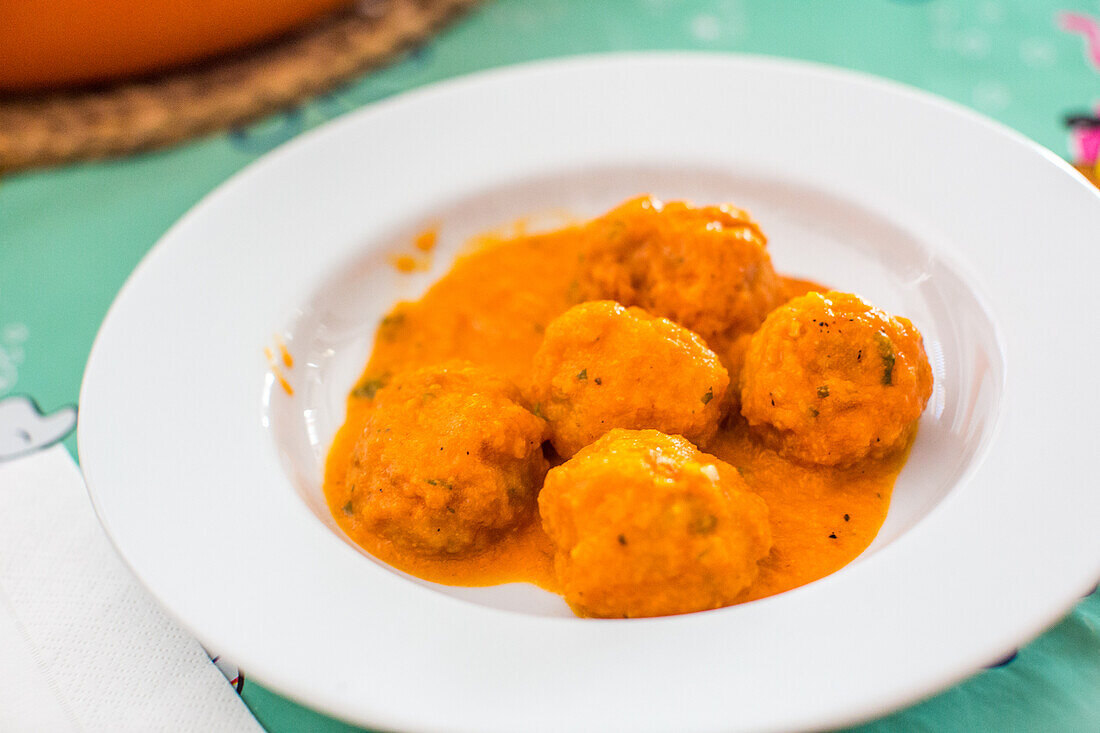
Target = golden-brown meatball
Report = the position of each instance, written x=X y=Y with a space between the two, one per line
x=705 y=268
x=448 y=461
x=603 y=366
x=828 y=379
x=644 y=524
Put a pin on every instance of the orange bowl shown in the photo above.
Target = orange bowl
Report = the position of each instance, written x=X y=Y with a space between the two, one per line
x=54 y=43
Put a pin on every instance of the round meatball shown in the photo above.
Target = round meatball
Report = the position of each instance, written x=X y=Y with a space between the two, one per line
x=829 y=379
x=705 y=268
x=644 y=524
x=603 y=366
x=448 y=461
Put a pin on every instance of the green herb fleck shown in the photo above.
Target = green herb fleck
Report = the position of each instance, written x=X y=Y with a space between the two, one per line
x=599 y=381
x=393 y=319
x=348 y=508
x=440 y=482
x=704 y=524
x=814 y=412
x=708 y=396
x=368 y=388
x=823 y=391
x=537 y=410
x=583 y=374
x=390 y=325
x=886 y=353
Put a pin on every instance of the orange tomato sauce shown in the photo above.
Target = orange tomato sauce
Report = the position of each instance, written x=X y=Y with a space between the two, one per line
x=492 y=309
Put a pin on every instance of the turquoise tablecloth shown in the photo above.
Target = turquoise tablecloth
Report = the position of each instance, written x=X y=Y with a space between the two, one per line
x=69 y=237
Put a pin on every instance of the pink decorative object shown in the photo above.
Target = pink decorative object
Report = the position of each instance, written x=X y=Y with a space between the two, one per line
x=1085 y=140
x=1087 y=27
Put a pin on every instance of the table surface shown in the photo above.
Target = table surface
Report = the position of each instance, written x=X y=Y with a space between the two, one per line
x=69 y=237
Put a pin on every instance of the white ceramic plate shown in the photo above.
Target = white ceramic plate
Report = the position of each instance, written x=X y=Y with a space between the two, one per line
x=206 y=474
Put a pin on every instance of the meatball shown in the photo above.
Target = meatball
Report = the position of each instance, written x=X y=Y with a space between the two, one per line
x=603 y=366
x=644 y=524
x=448 y=461
x=705 y=268
x=829 y=379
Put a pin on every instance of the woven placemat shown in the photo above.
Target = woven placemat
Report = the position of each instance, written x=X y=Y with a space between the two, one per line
x=59 y=127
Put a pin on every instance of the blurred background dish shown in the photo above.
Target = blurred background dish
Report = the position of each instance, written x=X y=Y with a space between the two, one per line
x=53 y=43
x=119 y=116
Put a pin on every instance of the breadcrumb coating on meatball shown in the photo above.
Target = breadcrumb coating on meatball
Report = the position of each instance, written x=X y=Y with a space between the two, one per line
x=829 y=379
x=449 y=460
x=705 y=268
x=644 y=524
x=603 y=366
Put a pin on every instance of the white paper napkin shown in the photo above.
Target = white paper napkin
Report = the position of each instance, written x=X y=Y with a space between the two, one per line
x=82 y=646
